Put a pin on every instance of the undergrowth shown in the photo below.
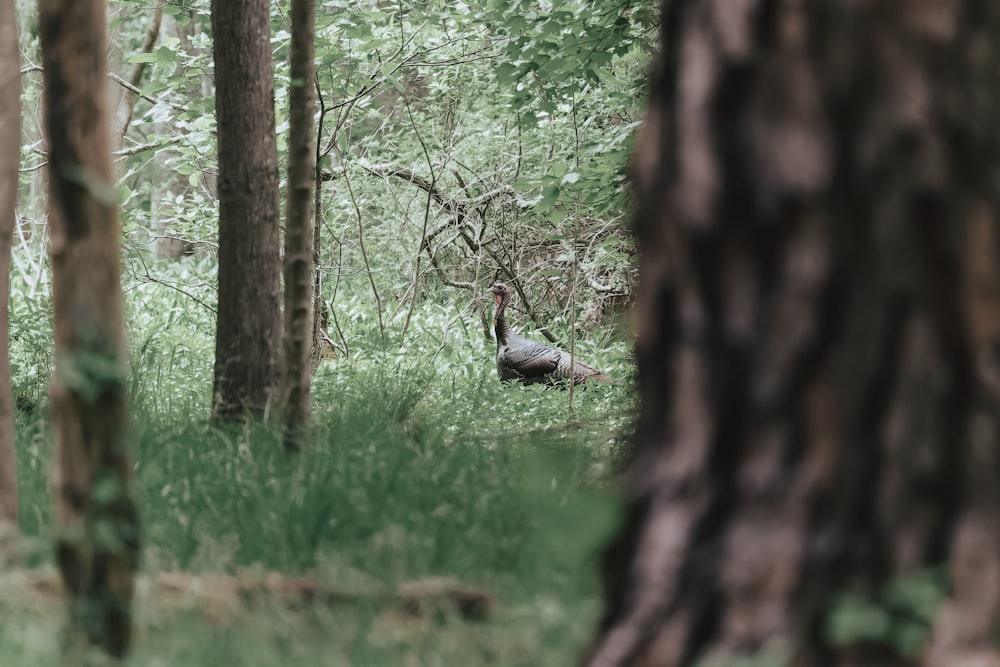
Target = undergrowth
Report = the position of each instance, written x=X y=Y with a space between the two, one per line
x=420 y=463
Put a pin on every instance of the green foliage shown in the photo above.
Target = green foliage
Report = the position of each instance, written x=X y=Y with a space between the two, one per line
x=902 y=618
x=30 y=317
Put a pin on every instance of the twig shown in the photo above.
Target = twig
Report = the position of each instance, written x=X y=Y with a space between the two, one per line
x=194 y=242
x=457 y=209
x=432 y=187
x=172 y=286
x=364 y=254
x=141 y=148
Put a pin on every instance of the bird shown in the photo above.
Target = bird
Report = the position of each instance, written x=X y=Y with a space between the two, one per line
x=531 y=362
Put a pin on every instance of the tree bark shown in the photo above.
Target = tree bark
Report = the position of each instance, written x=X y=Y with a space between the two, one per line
x=10 y=151
x=248 y=331
x=98 y=544
x=299 y=259
x=818 y=335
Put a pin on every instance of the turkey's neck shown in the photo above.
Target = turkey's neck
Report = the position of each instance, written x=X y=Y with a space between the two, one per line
x=500 y=322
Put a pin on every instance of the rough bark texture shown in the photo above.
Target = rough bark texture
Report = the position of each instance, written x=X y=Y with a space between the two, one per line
x=818 y=332
x=299 y=325
x=248 y=332
x=10 y=151
x=97 y=548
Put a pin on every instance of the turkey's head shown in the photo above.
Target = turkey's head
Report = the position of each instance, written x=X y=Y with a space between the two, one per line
x=500 y=293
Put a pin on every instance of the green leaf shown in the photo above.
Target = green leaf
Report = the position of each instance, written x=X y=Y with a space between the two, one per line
x=853 y=619
x=919 y=594
x=396 y=83
x=556 y=168
x=526 y=184
x=909 y=638
x=558 y=67
x=506 y=73
x=550 y=194
x=143 y=58
x=165 y=55
x=124 y=193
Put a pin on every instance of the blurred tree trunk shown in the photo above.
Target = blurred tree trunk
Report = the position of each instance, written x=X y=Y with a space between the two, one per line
x=10 y=152
x=818 y=338
x=299 y=260
x=97 y=547
x=248 y=331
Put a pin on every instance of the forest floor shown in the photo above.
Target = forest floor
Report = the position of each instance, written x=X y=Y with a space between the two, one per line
x=430 y=521
x=246 y=619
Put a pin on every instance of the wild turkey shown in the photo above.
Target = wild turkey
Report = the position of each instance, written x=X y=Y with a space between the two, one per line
x=529 y=361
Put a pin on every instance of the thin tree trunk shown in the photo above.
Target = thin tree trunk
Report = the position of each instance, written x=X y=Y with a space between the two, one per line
x=319 y=306
x=10 y=151
x=98 y=544
x=248 y=330
x=818 y=337
x=299 y=261
x=126 y=106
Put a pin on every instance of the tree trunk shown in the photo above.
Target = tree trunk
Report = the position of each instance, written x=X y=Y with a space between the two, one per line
x=127 y=99
x=298 y=334
x=248 y=331
x=98 y=544
x=818 y=338
x=319 y=305
x=10 y=151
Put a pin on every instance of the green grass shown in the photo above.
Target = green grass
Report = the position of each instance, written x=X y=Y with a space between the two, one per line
x=420 y=464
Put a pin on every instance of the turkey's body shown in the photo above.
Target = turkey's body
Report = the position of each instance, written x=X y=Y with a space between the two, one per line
x=529 y=361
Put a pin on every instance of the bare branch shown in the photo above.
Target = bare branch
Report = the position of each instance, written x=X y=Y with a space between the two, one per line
x=123 y=83
x=124 y=152
x=152 y=35
x=141 y=148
